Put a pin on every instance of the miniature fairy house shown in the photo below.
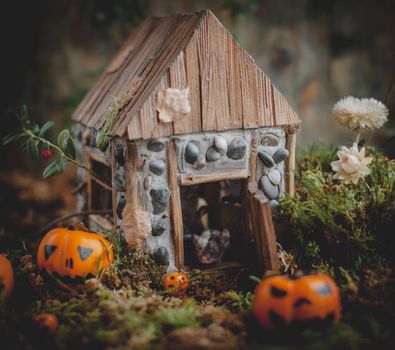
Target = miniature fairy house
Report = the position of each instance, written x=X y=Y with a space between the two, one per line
x=183 y=104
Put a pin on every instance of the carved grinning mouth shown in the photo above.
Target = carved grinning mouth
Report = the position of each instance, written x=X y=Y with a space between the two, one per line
x=76 y=281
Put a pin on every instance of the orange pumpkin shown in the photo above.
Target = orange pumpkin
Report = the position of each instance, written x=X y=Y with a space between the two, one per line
x=176 y=283
x=6 y=278
x=47 y=322
x=309 y=300
x=72 y=256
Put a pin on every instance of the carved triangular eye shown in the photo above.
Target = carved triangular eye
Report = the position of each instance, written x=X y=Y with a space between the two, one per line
x=49 y=250
x=324 y=289
x=84 y=252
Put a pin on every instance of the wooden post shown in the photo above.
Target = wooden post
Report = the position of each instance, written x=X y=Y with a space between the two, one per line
x=263 y=228
x=88 y=164
x=251 y=178
x=113 y=192
x=133 y=166
x=175 y=205
x=290 y=164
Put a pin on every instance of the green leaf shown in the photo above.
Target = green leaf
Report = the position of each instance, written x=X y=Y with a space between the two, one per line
x=45 y=146
x=54 y=168
x=22 y=116
x=51 y=170
x=24 y=146
x=66 y=144
x=12 y=136
x=61 y=164
x=32 y=148
x=46 y=127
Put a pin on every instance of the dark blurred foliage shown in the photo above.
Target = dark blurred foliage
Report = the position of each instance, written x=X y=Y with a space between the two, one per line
x=314 y=51
x=33 y=33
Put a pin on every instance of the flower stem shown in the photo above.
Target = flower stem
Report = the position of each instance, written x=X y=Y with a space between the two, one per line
x=358 y=136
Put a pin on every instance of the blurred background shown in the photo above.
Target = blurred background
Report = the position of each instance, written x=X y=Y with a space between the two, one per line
x=315 y=52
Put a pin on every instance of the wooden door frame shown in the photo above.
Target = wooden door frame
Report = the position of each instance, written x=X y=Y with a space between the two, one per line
x=177 y=180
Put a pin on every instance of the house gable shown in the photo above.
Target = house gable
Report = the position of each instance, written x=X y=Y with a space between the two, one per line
x=226 y=89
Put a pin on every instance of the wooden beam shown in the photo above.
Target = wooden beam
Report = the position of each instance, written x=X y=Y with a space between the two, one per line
x=189 y=180
x=263 y=228
x=290 y=164
x=175 y=206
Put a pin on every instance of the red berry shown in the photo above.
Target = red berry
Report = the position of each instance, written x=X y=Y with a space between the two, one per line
x=46 y=154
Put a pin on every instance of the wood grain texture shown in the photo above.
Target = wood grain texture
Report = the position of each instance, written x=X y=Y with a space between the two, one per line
x=175 y=205
x=290 y=164
x=114 y=193
x=262 y=223
x=133 y=166
x=189 y=180
x=227 y=90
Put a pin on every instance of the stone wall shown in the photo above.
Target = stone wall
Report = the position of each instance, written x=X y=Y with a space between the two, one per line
x=197 y=154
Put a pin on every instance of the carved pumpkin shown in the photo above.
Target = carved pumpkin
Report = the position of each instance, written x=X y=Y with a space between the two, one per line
x=6 y=278
x=312 y=300
x=46 y=322
x=71 y=256
x=176 y=283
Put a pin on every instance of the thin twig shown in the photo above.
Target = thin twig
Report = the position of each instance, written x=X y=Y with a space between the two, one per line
x=68 y=216
x=61 y=154
x=77 y=188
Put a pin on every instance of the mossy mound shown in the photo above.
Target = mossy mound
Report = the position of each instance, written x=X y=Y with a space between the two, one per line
x=343 y=230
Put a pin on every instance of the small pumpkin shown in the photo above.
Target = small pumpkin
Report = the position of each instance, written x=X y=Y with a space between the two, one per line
x=73 y=256
x=176 y=283
x=46 y=321
x=6 y=278
x=312 y=300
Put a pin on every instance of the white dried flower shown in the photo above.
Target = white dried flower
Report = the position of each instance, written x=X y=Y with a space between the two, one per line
x=360 y=113
x=352 y=164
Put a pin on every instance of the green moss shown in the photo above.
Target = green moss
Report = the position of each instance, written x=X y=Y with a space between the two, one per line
x=331 y=224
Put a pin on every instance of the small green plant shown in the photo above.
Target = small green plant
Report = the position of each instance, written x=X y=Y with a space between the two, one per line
x=36 y=143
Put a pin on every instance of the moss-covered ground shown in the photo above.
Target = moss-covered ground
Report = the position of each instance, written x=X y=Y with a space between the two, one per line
x=346 y=231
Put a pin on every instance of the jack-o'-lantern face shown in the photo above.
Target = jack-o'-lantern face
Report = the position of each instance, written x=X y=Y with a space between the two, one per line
x=176 y=283
x=71 y=257
x=310 y=300
x=316 y=299
x=6 y=278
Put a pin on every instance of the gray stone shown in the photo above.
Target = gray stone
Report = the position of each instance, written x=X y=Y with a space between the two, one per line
x=120 y=154
x=121 y=204
x=160 y=198
x=220 y=144
x=192 y=152
x=271 y=191
x=118 y=180
x=156 y=145
x=161 y=256
x=201 y=163
x=270 y=140
x=266 y=159
x=92 y=140
x=158 y=166
x=237 y=148
x=158 y=227
x=274 y=177
x=274 y=204
x=280 y=155
x=212 y=154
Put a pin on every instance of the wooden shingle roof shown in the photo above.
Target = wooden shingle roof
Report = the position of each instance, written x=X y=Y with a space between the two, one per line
x=226 y=89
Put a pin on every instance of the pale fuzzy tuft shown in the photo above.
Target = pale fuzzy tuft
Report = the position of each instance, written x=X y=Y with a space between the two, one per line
x=365 y=113
x=173 y=104
x=352 y=164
